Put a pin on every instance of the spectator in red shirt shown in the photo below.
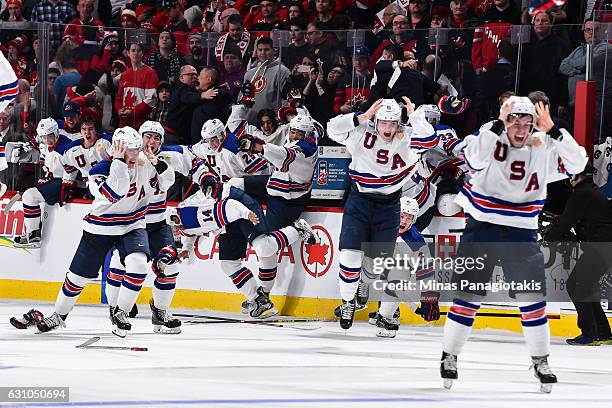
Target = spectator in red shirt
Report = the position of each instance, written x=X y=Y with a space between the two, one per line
x=136 y=92
x=74 y=29
x=269 y=16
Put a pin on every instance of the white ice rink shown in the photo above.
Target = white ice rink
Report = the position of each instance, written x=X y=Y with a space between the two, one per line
x=313 y=364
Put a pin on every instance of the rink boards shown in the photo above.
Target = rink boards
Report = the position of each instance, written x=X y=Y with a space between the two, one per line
x=306 y=285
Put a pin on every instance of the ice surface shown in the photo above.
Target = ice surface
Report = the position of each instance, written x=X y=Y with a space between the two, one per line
x=242 y=365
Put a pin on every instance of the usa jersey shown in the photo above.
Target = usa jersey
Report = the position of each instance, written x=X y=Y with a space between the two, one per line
x=202 y=215
x=230 y=161
x=422 y=190
x=181 y=160
x=72 y=134
x=448 y=144
x=78 y=160
x=122 y=195
x=508 y=184
x=294 y=165
x=52 y=158
x=378 y=166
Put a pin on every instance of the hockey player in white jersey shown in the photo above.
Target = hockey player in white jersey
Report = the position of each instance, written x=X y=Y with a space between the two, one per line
x=382 y=162
x=121 y=188
x=49 y=186
x=80 y=156
x=165 y=261
x=510 y=169
x=288 y=191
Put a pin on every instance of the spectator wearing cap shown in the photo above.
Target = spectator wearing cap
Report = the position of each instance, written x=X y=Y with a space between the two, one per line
x=19 y=62
x=166 y=60
x=220 y=25
x=71 y=125
x=108 y=85
x=13 y=11
x=193 y=17
x=128 y=19
x=196 y=56
x=136 y=93
x=171 y=17
x=298 y=48
x=357 y=88
x=237 y=39
x=70 y=77
x=111 y=51
x=269 y=14
x=58 y=12
x=74 y=29
x=232 y=74
x=540 y=63
x=160 y=111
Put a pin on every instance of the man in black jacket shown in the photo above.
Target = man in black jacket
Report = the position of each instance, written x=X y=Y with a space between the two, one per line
x=185 y=98
x=216 y=103
x=588 y=212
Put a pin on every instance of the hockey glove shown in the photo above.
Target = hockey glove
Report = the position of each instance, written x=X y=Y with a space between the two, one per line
x=451 y=173
x=67 y=192
x=249 y=143
x=247 y=98
x=166 y=256
x=295 y=98
x=430 y=309
x=211 y=186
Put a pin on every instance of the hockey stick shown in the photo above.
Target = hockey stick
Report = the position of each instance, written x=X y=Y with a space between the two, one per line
x=262 y=323
x=276 y=320
x=12 y=202
x=88 y=345
x=271 y=322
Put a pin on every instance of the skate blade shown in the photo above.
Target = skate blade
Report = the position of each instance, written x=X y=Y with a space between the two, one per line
x=390 y=334
x=546 y=388
x=27 y=246
x=119 y=332
x=447 y=383
x=166 y=330
x=267 y=314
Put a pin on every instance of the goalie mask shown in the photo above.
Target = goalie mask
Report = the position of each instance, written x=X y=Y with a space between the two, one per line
x=387 y=119
x=213 y=133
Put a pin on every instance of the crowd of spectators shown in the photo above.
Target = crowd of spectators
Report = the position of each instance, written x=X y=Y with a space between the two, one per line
x=181 y=62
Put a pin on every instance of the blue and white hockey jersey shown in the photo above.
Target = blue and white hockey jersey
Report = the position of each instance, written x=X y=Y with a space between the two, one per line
x=122 y=195
x=78 y=160
x=508 y=184
x=52 y=158
x=378 y=166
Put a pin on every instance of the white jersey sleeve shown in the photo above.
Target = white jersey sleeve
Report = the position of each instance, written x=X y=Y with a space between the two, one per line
x=111 y=181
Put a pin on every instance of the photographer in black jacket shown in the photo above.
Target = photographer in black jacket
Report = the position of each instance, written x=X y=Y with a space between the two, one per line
x=589 y=213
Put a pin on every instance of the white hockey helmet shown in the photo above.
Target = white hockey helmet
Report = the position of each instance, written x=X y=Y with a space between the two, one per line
x=302 y=123
x=389 y=110
x=213 y=128
x=46 y=127
x=152 y=126
x=409 y=205
x=522 y=106
x=432 y=113
x=447 y=206
x=129 y=136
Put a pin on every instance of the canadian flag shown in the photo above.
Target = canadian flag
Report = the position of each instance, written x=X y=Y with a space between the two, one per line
x=9 y=85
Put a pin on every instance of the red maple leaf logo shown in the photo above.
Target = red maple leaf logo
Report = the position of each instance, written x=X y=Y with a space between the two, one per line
x=129 y=100
x=316 y=253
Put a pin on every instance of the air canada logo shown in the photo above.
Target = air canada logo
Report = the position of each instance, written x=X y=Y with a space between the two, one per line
x=317 y=258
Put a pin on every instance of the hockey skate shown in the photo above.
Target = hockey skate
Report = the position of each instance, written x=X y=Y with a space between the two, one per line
x=29 y=319
x=51 y=323
x=28 y=240
x=363 y=293
x=373 y=316
x=388 y=327
x=246 y=307
x=261 y=307
x=347 y=314
x=121 y=324
x=542 y=371
x=163 y=321
x=448 y=369
x=306 y=232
